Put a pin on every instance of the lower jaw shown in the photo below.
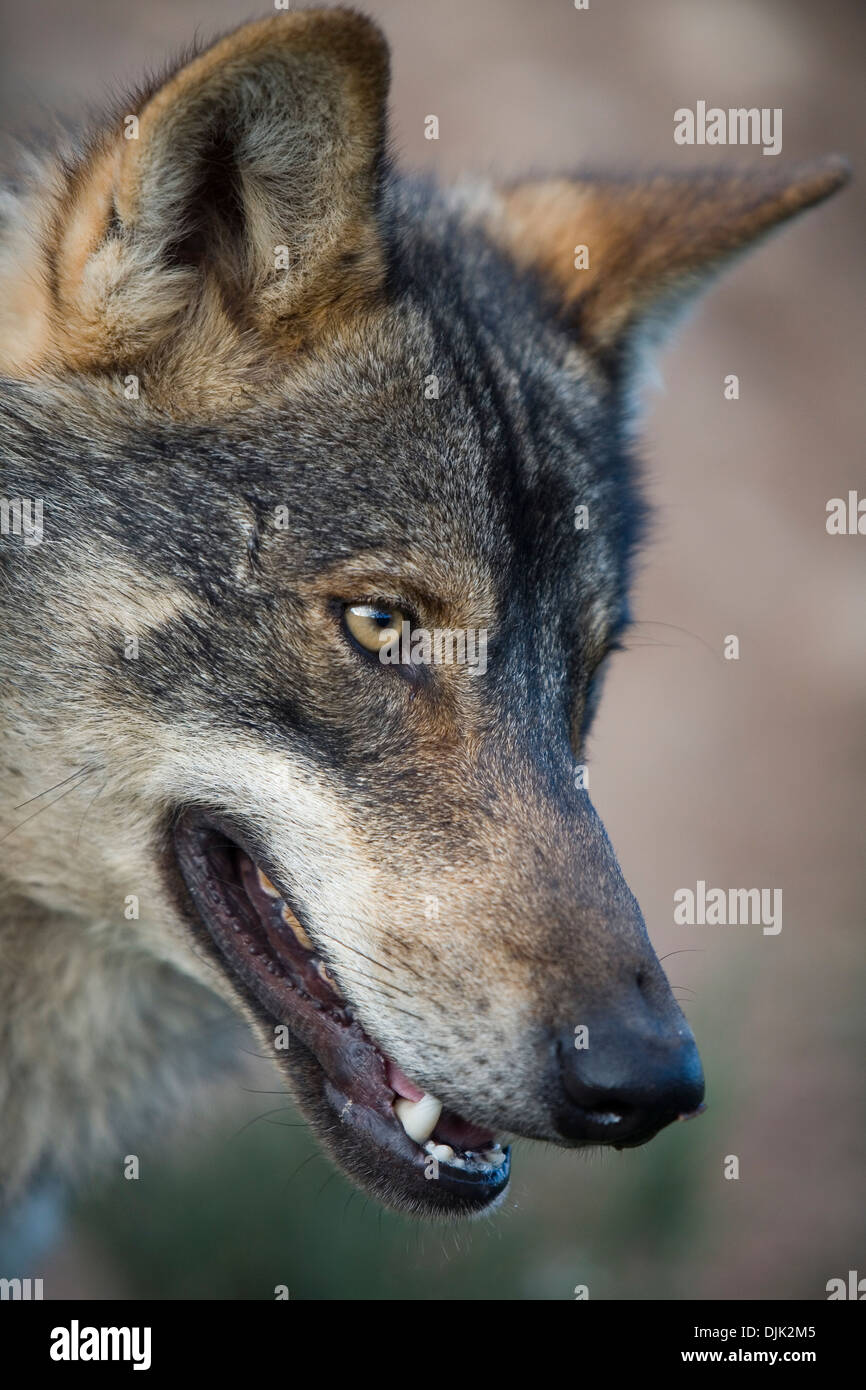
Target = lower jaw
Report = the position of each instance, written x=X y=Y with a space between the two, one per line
x=382 y=1160
x=347 y=1099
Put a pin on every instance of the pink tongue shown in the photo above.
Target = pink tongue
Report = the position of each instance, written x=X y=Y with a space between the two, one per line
x=461 y=1134
x=400 y=1083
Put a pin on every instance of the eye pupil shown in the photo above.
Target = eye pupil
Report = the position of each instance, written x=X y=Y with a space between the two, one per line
x=372 y=625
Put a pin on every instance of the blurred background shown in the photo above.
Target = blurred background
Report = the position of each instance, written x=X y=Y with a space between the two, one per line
x=743 y=773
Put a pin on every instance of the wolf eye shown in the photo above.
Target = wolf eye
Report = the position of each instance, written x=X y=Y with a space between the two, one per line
x=372 y=625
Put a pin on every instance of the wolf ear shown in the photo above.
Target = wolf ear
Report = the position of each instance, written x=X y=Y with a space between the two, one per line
x=255 y=166
x=621 y=256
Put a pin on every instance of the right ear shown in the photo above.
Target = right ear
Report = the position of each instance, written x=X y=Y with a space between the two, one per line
x=648 y=244
x=250 y=176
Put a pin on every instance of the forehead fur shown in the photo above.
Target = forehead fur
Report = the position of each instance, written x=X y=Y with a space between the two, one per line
x=454 y=426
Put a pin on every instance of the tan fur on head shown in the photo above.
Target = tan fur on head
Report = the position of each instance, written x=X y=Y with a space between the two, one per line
x=263 y=149
x=429 y=831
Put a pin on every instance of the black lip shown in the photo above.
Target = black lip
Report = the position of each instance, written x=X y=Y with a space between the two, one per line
x=340 y=1075
x=644 y=1136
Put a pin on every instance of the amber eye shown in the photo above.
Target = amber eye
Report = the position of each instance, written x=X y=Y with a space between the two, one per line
x=373 y=625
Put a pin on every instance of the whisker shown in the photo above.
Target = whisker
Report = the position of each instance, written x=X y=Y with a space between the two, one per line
x=371 y=959
x=277 y=1110
x=87 y=812
x=262 y=1090
x=398 y=1009
x=308 y=1159
x=88 y=767
x=675 y=627
x=48 y=805
x=384 y=985
x=358 y=952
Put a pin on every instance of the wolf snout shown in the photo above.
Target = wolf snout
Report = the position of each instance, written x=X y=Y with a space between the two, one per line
x=620 y=1082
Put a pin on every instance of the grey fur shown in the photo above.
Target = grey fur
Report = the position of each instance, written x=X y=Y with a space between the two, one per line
x=162 y=529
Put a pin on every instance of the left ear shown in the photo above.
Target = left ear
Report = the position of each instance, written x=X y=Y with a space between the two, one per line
x=239 y=196
x=650 y=243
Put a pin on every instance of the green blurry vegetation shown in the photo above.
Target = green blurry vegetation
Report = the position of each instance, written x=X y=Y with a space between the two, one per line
x=256 y=1204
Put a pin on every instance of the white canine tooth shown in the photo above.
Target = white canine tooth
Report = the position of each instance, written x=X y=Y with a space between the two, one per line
x=266 y=885
x=441 y=1152
x=495 y=1157
x=419 y=1118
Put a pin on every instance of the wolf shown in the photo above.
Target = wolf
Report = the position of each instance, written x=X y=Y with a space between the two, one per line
x=274 y=399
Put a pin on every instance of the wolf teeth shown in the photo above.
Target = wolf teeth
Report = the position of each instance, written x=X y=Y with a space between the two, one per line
x=443 y=1153
x=295 y=927
x=419 y=1118
x=286 y=913
x=266 y=885
x=324 y=973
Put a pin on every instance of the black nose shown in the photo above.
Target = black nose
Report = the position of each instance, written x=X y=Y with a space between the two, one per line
x=627 y=1082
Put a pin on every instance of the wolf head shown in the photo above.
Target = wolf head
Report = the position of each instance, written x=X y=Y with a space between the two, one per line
x=277 y=405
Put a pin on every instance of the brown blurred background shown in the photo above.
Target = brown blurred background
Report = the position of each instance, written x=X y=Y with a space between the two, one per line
x=745 y=774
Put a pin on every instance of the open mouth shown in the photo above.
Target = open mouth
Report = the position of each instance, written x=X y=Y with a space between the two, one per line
x=392 y=1138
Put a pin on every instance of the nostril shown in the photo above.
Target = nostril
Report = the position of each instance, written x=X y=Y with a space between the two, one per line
x=626 y=1085
x=615 y=1112
x=641 y=979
